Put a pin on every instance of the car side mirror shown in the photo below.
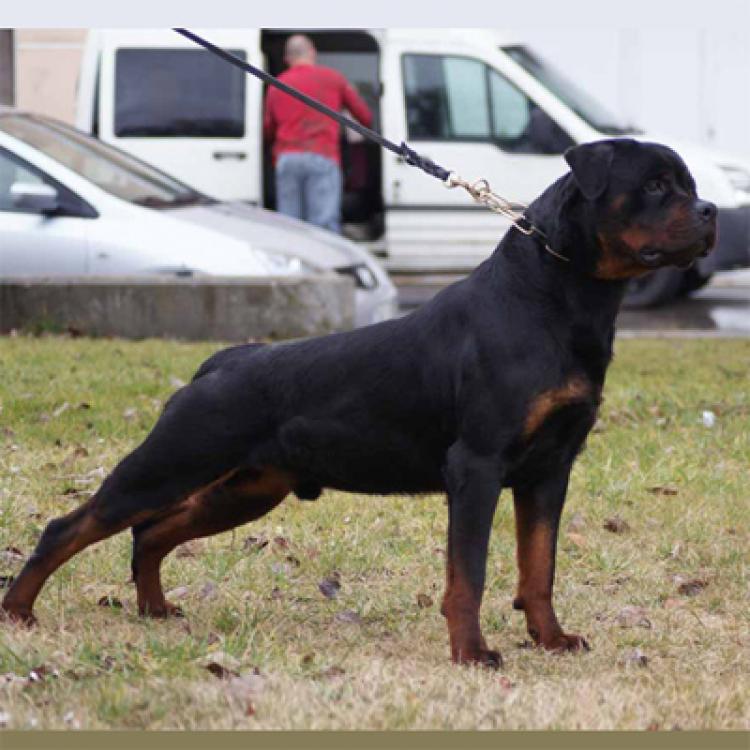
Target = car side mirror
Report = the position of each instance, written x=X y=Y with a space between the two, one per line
x=36 y=197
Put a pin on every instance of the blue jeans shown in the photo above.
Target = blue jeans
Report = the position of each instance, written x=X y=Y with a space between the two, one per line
x=308 y=187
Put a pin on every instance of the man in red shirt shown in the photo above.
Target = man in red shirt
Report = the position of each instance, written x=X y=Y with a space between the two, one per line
x=306 y=150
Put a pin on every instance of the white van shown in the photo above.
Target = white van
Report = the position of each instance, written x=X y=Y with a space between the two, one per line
x=472 y=101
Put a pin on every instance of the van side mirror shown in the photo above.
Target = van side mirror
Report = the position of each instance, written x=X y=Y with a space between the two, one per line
x=39 y=198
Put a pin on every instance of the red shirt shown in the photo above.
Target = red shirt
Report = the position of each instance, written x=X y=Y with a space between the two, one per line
x=295 y=127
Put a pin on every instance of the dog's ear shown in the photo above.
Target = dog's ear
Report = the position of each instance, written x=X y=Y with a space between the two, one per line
x=590 y=164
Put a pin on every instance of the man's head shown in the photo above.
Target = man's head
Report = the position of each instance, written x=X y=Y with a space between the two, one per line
x=642 y=206
x=299 y=49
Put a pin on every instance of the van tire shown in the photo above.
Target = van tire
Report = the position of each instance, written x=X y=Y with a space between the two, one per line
x=653 y=290
x=692 y=280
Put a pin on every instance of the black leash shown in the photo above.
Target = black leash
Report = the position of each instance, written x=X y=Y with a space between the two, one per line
x=479 y=190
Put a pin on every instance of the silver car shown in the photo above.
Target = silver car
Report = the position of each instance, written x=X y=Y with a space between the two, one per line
x=71 y=205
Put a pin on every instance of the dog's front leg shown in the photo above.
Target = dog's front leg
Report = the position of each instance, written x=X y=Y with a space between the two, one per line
x=473 y=484
x=538 y=507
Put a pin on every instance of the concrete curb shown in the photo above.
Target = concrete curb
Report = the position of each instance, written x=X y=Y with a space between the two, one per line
x=193 y=309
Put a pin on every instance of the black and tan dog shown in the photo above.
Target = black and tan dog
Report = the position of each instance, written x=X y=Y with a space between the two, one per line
x=495 y=383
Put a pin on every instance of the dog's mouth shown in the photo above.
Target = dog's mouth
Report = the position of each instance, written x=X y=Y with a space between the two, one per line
x=654 y=257
x=651 y=256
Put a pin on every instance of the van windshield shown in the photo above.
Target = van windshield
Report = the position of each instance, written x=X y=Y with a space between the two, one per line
x=108 y=168
x=582 y=103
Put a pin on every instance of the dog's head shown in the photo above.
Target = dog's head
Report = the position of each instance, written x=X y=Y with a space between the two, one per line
x=642 y=211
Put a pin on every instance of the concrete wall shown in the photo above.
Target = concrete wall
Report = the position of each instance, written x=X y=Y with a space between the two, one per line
x=226 y=309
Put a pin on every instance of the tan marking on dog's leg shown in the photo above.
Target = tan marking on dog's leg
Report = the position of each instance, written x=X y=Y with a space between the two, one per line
x=237 y=499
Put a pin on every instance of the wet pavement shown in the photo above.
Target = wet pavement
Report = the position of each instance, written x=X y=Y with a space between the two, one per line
x=721 y=309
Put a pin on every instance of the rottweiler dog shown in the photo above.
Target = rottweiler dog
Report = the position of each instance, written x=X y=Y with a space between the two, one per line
x=494 y=383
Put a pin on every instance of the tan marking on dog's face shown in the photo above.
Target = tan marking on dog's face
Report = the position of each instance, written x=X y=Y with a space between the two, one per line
x=674 y=232
x=618 y=258
x=618 y=202
x=575 y=390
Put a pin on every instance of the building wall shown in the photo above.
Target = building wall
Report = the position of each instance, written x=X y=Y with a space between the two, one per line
x=47 y=64
x=7 y=75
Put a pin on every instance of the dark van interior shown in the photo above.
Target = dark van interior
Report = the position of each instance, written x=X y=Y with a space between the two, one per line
x=357 y=56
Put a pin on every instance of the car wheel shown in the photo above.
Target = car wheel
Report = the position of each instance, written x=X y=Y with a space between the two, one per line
x=654 y=289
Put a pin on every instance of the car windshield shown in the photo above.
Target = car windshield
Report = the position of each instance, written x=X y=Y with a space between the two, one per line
x=583 y=104
x=108 y=168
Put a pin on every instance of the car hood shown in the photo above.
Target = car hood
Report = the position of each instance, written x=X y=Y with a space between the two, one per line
x=270 y=231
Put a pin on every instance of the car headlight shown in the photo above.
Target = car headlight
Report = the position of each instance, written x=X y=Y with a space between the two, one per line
x=739 y=179
x=287 y=264
x=362 y=275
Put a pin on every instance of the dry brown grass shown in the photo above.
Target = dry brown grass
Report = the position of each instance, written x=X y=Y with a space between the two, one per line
x=372 y=658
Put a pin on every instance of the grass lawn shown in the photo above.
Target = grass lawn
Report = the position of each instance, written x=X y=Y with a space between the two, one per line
x=663 y=601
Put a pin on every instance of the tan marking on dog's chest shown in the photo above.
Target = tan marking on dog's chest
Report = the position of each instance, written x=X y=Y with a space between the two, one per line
x=575 y=390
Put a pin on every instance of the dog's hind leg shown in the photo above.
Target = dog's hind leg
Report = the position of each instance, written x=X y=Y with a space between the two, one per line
x=127 y=498
x=241 y=497
x=190 y=447
x=62 y=538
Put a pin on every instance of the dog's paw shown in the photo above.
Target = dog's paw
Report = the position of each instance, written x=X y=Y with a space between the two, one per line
x=565 y=642
x=161 y=612
x=484 y=657
x=23 y=617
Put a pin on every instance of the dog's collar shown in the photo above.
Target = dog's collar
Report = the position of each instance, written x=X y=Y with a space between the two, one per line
x=524 y=225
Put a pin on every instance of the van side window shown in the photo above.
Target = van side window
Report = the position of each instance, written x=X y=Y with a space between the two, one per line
x=178 y=93
x=446 y=98
x=519 y=125
x=510 y=109
x=462 y=99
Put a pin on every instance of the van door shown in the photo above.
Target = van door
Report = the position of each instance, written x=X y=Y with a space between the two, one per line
x=183 y=109
x=454 y=106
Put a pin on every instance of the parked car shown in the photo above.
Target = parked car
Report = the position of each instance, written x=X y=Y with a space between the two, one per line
x=473 y=100
x=71 y=205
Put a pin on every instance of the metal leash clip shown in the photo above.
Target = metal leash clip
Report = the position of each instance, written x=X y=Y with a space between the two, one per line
x=481 y=192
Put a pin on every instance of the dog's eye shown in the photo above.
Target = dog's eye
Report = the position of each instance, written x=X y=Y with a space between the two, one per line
x=655 y=187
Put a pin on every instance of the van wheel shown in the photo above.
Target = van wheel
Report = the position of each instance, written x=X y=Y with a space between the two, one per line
x=692 y=280
x=654 y=289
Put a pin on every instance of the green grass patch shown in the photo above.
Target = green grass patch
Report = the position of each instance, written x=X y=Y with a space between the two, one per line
x=372 y=658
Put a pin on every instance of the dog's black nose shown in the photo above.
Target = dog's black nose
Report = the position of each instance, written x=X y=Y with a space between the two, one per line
x=706 y=210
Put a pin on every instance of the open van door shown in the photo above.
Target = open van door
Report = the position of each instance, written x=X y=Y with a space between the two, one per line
x=183 y=109
x=453 y=102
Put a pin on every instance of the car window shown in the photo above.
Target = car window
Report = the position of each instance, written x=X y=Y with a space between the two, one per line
x=108 y=168
x=460 y=98
x=178 y=93
x=13 y=173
